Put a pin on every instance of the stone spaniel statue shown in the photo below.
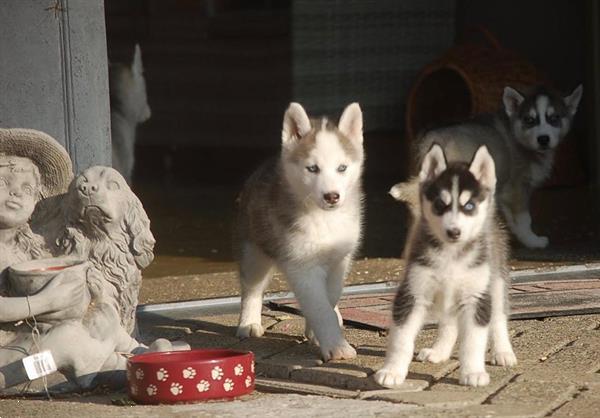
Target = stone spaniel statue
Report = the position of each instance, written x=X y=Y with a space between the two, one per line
x=107 y=225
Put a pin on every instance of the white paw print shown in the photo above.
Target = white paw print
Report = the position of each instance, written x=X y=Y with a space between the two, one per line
x=248 y=381
x=176 y=388
x=189 y=373
x=252 y=366
x=217 y=373
x=228 y=385
x=162 y=374
x=151 y=390
x=203 y=386
x=139 y=374
x=238 y=370
x=134 y=389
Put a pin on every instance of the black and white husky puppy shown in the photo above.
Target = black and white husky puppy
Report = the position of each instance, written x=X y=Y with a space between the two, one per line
x=522 y=138
x=301 y=213
x=456 y=269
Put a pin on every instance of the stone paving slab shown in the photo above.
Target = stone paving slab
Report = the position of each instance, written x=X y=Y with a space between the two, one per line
x=337 y=375
x=518 y=410
x=545 y=373
x=287 y=386
x=581 y=355
x=535 y=340
x=439 y=399
x=585 y=404
x=547 y=395
x=499 y=378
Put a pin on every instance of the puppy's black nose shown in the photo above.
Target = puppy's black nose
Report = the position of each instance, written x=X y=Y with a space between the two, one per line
x=332 y=197
x=453 y=233
x=543 y=140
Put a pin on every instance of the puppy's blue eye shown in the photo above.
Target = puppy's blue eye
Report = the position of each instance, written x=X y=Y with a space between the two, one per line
x=313 y=168
x=529 y=120
x=469 y=207
x=342 y=168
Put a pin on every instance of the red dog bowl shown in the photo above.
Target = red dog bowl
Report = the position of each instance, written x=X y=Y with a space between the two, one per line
x=189 y=376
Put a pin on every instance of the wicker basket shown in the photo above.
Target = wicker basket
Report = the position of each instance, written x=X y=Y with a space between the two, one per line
x=467 y=80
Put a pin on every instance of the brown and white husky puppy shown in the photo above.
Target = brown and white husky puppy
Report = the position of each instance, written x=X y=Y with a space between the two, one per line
x=456 y=269
x=301 y=213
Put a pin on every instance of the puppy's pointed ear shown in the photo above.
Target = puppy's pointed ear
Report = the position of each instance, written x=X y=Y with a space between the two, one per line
x=296 y=124
x=483 y=168
x=572 y=100
x=351 y=123
x=512 y=99
x=137 y=67
x=433 y=164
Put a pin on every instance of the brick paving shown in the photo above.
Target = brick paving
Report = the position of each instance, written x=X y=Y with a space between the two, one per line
x=558 y=374
x=528 y=300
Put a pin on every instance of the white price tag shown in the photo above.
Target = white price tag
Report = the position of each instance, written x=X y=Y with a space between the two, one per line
x=40 y=364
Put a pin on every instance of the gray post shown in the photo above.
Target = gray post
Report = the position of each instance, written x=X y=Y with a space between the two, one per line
x=54 y=76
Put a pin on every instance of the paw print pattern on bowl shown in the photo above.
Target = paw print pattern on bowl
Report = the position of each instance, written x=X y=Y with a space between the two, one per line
x=134 y=389
x=203 y=386
x=151 y=390
x=139 y=374
x=228 y=385
x=217 y=373
x=252 y=366
x=238 y=370
x=190 y=376
x=162 y=374
x=176 y=388
x=189 y=373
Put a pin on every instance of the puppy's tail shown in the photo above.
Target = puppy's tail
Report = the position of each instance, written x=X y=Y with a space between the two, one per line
x=408 y=192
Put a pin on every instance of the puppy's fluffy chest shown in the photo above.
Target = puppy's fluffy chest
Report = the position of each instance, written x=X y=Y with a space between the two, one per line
x=451 y=278
x=331 y=234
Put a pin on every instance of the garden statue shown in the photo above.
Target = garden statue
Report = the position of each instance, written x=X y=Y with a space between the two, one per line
x=70 y=271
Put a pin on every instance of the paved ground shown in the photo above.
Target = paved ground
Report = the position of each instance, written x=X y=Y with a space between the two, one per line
x=557 y=375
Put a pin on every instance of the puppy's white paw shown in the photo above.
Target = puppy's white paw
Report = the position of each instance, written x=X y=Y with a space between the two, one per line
x=390 y=378
x=432 y=356
x=535 y=241
x=250 y=330
x=475 y=379
x=341 y=351
x=505 y=358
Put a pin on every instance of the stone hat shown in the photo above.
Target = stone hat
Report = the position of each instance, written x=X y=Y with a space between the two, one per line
x=52 y=160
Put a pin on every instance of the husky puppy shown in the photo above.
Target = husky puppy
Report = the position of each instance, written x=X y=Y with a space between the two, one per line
x=522 y=139
x=128 y=107
x=456 y=269
x=302 y=213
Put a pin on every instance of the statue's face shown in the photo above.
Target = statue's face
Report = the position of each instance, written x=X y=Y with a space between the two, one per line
x=18 y=196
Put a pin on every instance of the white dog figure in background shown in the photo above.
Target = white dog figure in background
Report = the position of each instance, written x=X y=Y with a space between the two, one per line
x=128 y=108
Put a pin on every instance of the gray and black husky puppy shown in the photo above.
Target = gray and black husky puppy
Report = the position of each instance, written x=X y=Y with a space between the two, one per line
x=456 y=269
x=522 y=138
x=302 y=213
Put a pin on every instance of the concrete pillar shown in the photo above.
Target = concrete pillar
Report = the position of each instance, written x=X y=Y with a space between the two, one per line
x=54 y=76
